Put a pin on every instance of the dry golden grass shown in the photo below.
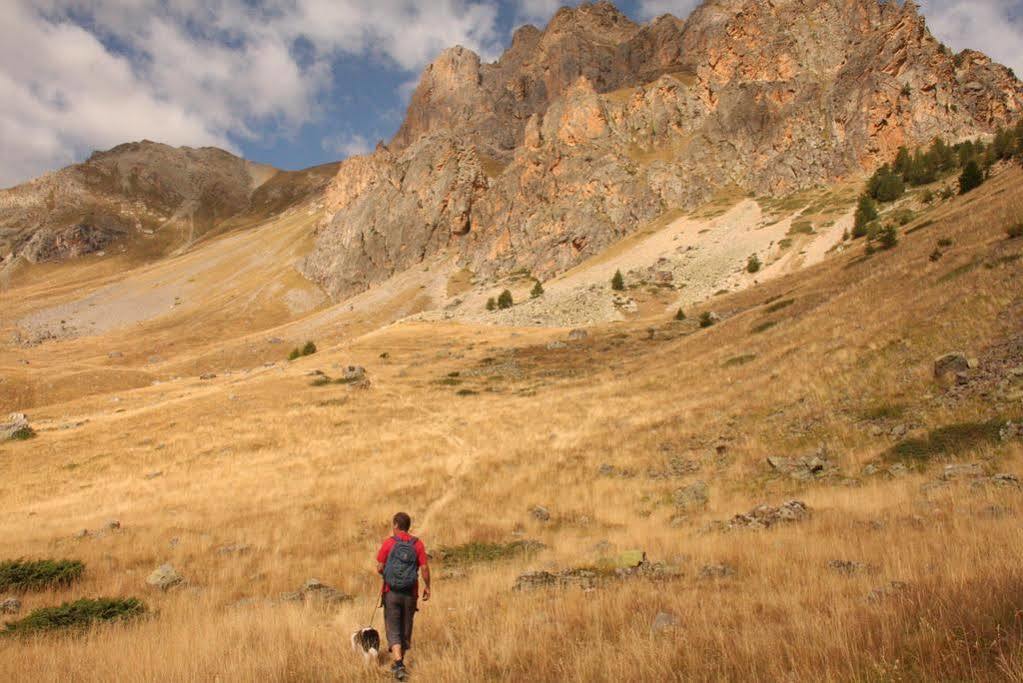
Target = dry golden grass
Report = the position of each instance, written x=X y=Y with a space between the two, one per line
x=309 y=476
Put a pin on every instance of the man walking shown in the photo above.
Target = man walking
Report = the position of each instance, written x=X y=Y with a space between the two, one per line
x=399 y=561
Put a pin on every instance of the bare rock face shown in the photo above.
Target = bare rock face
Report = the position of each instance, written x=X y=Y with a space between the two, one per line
x=584 y=131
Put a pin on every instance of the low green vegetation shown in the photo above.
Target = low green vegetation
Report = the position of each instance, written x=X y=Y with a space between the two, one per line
x=736 y=361
x=505 y=300
x=948 y=440
x=680 y=315
x=707 y=319
x=780 y=305
x=971 y=178
x=801 y=228
x=307 y=350
x=763 y=327
x=23 y=434
x=479 y=551
x=491 y=304
x=537 y=291
x=1014 y=231
x=80 y=614
x=36 y=575
x=618 y=282
x=753 y=264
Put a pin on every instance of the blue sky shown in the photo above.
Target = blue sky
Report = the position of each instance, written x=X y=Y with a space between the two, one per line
x=292 y=83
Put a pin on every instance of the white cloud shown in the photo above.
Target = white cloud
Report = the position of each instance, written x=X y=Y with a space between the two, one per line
x=197 y=71
x=348 y=145
x=994 y=27
x=649 y=9
x=539 y=11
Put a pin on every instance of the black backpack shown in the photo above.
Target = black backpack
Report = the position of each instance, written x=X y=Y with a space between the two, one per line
x=402 y=566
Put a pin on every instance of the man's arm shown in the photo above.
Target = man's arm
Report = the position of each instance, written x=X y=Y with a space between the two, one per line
x=426 y=582
x=380 y=568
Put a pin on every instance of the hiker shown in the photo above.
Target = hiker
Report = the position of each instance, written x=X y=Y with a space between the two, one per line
x=400 y=558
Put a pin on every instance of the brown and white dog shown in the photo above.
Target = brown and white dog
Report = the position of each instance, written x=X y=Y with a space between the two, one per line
x=367 y=641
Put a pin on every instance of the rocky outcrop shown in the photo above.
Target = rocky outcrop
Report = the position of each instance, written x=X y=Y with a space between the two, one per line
x=145 y=192
x=594 y=126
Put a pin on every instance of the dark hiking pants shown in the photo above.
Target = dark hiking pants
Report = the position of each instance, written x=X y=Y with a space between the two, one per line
x=399 y=611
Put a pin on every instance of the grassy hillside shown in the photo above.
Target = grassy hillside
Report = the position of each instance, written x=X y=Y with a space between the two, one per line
x=251 y=483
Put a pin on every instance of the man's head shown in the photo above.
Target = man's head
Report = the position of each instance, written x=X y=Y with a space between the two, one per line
x=402 y=522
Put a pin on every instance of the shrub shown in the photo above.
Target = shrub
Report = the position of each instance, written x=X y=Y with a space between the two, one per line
x=947 y=192
x=889 y=237
x=753 y=265
x=936 y=255
x=23 y=434
x=1014 y=231
x=680 y=315
x=504 y=300
x=77 y=615
x=537 y=290
x=295 y=354
x=707 y=319
x=763 y=327
x=944 y=242
x=927 y=197
x=618 y=282
x=971 y=178
x=27 y=575
x=780 y=305
x=866 y=213
x=491 y=303
x=885 y=186
x=309 y=349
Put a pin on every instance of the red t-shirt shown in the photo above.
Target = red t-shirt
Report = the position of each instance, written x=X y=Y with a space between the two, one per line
x=385 y=550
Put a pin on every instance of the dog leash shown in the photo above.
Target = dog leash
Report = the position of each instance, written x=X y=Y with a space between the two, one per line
x=379 y=600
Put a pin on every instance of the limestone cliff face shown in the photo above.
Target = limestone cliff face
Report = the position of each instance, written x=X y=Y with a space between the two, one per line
x=584 y=131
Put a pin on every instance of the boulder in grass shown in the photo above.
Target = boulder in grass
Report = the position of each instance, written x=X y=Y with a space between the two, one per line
x=16 y=427
x=165 y=577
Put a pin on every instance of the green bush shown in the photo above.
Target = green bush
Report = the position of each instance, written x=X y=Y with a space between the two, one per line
x=680 y=315
x=1014 y=231
x=23 y=434
x=889 y=237
x=537 y=290
x=753 y=265
x=295 y=354
x=309 y=349
x=491 y=304
x=77 y=615
x=505 y=300
x=706 y=319
x=886 y=186
x=971 y=178
x=618 y=282
x=28 y=575
x=866 y=213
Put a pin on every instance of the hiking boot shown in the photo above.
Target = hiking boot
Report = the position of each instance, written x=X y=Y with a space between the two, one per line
x=399 y=671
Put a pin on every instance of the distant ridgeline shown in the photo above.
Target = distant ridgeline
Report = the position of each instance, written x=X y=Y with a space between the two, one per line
x=971 y=159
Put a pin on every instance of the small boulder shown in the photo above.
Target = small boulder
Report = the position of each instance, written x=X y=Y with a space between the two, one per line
x=354 y=373
x=891 y=589
x=692 y=497
x=848 y=567
x=15 y=427
x=578 y=335
x=663 y=621
x=10 y=606
x=556 y=345
x=207 y=376
x=540 y=513
x=950 y=364
x=315 y=590
x=716 y=571
x=164 y=578
x=961 y=471
x=534 y=580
